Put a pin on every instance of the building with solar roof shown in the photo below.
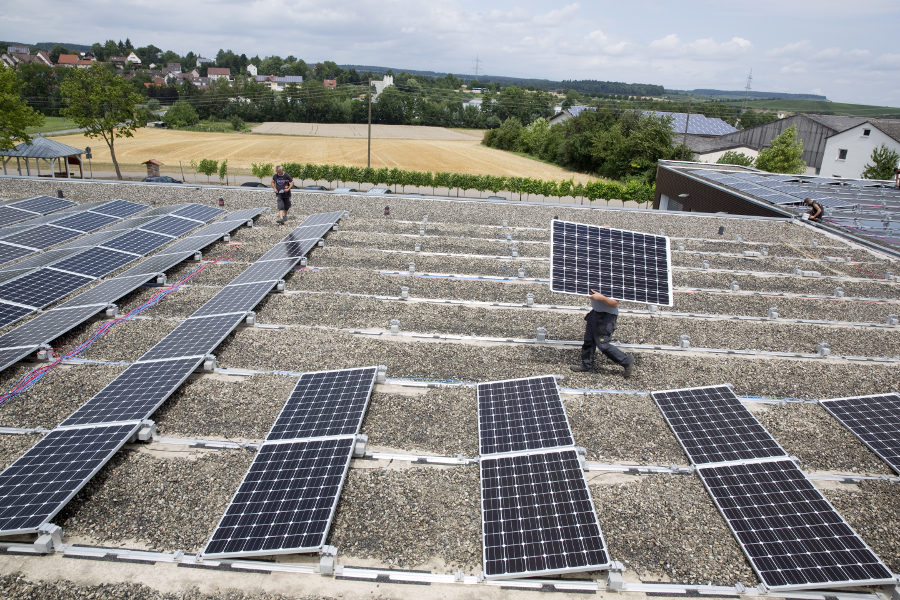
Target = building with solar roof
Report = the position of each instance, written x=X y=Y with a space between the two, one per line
x=199 y=402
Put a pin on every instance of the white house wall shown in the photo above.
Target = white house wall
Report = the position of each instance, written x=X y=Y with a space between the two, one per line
x=859 y=151
x=711 y=157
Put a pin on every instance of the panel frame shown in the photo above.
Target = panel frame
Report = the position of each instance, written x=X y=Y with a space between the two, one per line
x=894 y=463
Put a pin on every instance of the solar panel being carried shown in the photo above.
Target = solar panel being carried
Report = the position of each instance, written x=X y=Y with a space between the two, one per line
x=620 y=264
x=873 y=419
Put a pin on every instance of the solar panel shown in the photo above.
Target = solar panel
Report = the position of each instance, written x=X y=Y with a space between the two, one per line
x=793 y=537
x=96 y=262
x=138 y=242
x=619 y=264
x=86 y=221
x=272 y=270
x=218 y=228
x=91 y=240
x=37 y=485
x=235 y=298
x=135 y=393
x=174 y=226
x=286 y=501
x=713 y=426
x=132 y=223
x=245 y=214
x=538 y=517
x=120 y=208
x=308 y=232
x=329 y=218
x=198 y=212
x=41 y=287
x=873 y=419
x=192 y=244
x=159 y=263
x=41 y=237
x=327 y=403
x=47 y=326
x=9 y=253
x=107 y=291
x=296 y=250
x=521 y=414
x=10 y=215
x=42 y=204
x=195 y=336
x=10 y=313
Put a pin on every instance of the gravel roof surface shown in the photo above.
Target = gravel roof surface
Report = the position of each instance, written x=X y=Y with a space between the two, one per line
x=810 y=433
x=58 y=394
x=667 y=528
x=230 y=408
x=166 y=502
x=873 y=510
x=383 y=513
x=304 y=349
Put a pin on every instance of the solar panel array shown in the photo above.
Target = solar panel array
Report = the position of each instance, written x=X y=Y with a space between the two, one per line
x=697 y=124
x=771 y=188
x=873 y=419
x=792 y=536
x=620 y=264
x=28 y=208
x=286 y=502
x=130 y=398
x=67 y=225
x=25 y=339
x=537 y=514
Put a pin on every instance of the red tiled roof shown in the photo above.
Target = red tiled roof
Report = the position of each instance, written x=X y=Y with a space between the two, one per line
x=67 y=59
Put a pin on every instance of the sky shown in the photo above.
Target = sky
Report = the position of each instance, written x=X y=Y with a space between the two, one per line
x=845 y=51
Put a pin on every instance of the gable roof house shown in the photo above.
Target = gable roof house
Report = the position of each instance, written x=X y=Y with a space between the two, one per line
x=847 y=152
x=214 y=73
x=14 y=59
x=67 y=60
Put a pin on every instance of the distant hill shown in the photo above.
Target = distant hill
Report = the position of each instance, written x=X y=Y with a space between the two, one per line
x=741 y=94
x=48 y=46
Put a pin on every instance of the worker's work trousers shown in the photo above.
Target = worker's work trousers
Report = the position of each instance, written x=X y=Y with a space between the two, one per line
x=597 y=333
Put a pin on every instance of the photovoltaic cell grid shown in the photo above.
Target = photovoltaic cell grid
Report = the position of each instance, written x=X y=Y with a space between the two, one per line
x=793 y=537
x=37 y=485
x=271 y=270
x=713 y=426
x=10 y=215
x=95 y=262
x=194 y=337
x=169 y=225
x=120 y=208
x=42 y=204
x=86 y=221
x=40 y=288
x=873 y=419
x=9 y=253
x=328 y=403
x=620 y=264
x=520 y=415
x=138 y=242
x=135 y=393
x=199 y=212
x=46 y=326
x=538 y=517
x=235 y=298
x=42 y=236
x=286 y=501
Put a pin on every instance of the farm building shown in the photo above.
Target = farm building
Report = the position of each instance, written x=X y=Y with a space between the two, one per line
x=446 y=294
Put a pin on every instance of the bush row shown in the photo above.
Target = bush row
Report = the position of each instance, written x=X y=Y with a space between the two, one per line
x=634 y=190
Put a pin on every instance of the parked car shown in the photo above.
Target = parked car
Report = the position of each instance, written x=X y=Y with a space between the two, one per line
x=255 y=184
x=161 y=179
x=316 y=187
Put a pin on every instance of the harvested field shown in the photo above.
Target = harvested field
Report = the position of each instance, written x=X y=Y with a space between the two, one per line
x=405 y=149
x=360 y=130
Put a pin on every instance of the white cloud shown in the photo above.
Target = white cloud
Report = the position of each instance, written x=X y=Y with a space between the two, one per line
x=791 y=49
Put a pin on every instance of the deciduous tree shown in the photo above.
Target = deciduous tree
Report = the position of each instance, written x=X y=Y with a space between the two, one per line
x=784 y=154
x=103 y=104
x=884 y=161
x=735 y=158
x=15 y=115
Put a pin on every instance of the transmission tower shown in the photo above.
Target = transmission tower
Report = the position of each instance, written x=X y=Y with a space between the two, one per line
x=746 y=97
x=477 y=64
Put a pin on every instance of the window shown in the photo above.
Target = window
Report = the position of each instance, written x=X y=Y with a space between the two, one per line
x=866 y=132
x=842 y=154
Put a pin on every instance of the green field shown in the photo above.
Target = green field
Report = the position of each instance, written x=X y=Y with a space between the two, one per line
x=822 y=107
x=53 y=124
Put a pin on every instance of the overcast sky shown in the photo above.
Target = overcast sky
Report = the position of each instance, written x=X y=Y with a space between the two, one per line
x=846 y=51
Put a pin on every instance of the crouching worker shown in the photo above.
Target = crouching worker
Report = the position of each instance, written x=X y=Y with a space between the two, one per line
x=601 y=323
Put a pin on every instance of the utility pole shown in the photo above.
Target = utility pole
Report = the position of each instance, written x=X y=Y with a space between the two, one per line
x=477 y=63
x=369 y=152
x=686 y=123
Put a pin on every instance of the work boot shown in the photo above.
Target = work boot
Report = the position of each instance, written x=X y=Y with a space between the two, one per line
x=280 y=221
x=628 y=371
x=581 y=368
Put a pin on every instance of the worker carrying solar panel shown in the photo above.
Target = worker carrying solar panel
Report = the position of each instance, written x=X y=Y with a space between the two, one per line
x=599 y=327
x=816 y=212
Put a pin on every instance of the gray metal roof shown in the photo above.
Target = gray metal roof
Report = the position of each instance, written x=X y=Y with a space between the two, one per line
x=41 y=147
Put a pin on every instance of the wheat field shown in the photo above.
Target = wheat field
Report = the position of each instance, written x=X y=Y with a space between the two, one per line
x=402 y=146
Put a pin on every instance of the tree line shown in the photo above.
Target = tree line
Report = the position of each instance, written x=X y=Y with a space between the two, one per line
x=524 y=187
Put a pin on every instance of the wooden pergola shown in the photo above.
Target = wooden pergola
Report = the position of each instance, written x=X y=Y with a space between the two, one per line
x=54 y=155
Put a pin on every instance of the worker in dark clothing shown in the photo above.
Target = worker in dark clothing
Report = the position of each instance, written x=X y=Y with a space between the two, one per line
x=601 y=323
x=282 y=183
x=815 y=210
